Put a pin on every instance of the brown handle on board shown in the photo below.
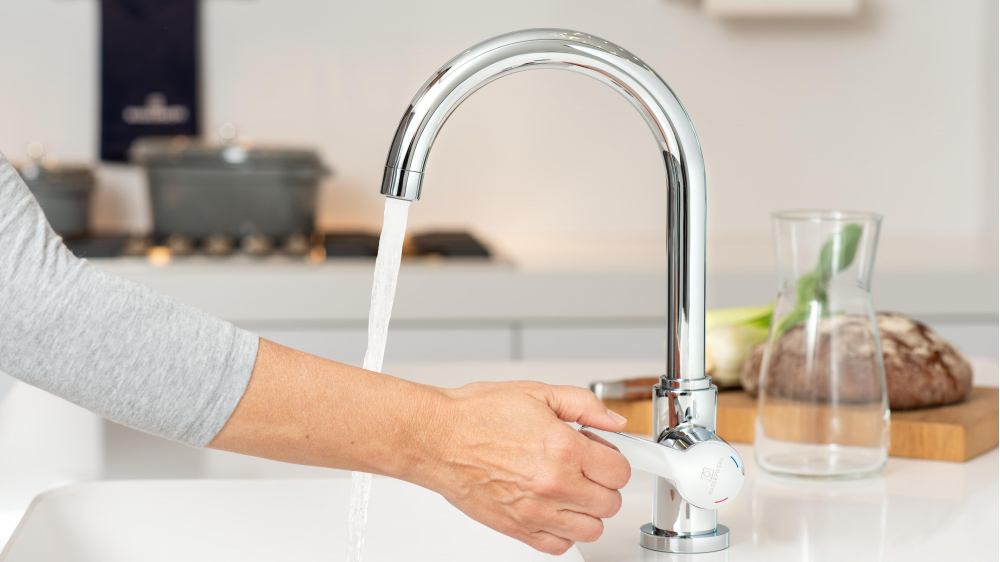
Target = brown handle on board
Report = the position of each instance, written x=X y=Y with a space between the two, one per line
x=630 y=389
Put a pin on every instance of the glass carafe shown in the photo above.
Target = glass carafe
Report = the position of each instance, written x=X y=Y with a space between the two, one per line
x=822 y=405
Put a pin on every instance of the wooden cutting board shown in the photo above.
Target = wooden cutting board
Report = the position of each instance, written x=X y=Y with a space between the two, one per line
x=956 y=433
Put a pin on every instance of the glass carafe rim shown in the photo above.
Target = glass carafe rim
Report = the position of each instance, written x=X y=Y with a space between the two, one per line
x=825 y=215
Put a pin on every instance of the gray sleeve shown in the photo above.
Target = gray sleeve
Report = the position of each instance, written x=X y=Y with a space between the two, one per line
x=110 y=345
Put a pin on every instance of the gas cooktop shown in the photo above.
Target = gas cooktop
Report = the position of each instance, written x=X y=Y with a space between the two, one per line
x=313 y=247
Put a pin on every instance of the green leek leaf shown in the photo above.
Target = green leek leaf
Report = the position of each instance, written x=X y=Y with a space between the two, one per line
x=835 y=256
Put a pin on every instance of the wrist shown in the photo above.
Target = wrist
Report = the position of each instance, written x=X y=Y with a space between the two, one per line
x=421 y=434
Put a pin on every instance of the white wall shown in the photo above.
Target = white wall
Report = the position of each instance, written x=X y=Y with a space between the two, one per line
x=893 y=110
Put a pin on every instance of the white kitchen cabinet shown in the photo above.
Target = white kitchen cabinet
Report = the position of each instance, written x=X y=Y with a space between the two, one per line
x=447 y=312
x=596 y=341
x=346 y=345
x=409 y=343
x=639 y=341
x=6 y=381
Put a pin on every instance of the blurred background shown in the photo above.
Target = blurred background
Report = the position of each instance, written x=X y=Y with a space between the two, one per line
x=887 y=107
x=540 y=234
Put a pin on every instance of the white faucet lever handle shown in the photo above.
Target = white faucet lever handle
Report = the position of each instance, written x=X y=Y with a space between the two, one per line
x=708 y=473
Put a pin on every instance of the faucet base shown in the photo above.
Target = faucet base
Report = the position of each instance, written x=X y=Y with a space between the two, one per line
x=692 y=544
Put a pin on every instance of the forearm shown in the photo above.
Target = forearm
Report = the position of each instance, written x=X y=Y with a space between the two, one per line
x=304 y=409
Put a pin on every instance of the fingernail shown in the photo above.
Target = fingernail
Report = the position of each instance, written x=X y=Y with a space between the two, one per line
x=616 y=417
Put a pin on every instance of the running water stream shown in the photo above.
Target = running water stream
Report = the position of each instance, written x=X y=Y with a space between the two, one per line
x=390 y=251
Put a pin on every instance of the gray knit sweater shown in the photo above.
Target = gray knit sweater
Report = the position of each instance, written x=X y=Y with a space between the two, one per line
x=110 y=345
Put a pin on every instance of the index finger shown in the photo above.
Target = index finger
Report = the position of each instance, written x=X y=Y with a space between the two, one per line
x=604 y=464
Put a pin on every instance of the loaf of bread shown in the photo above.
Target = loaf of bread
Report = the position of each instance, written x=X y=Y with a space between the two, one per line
x=921 y=368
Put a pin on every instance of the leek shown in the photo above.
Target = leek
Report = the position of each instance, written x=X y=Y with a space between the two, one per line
x=730 y=334
x=835 y=256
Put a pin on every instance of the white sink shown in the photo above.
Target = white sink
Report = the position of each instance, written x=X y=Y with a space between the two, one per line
x=247 y=520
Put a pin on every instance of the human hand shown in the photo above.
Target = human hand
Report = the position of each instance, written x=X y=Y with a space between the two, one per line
x=503 y=454
x=500 y=452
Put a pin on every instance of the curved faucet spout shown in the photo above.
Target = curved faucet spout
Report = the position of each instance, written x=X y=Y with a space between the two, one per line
x=684 y=401
x=648 y=93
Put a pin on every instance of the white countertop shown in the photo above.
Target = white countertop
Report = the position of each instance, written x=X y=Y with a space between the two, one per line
x=916 y=510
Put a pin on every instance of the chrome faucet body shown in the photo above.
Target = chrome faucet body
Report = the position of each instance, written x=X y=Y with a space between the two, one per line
x=684 y=401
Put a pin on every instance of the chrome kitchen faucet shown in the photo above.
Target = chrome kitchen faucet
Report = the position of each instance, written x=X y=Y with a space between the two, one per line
x=697 y=472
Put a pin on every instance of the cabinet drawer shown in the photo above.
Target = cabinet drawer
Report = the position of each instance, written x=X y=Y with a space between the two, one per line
x=404 y=344
x=594 y=343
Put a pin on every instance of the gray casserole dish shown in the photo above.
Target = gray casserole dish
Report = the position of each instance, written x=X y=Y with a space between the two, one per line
x=63 y=192
x=198 y=190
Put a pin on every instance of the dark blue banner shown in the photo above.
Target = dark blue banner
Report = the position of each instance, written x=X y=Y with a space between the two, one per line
x=149 y=71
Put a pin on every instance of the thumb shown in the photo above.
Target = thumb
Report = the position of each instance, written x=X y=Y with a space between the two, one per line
x=575 y=404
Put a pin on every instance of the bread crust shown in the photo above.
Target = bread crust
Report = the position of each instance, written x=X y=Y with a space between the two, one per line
x=922 y=369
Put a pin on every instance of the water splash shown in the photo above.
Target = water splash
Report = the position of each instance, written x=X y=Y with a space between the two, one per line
x=390 y=251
